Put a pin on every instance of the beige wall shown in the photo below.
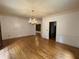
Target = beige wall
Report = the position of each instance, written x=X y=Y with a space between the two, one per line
x=15 y=27
x=39 y=21
x=67 y=28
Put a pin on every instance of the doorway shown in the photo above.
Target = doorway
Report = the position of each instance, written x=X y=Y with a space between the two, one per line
x=0 y=38
x=52 y=30
x=38 y=29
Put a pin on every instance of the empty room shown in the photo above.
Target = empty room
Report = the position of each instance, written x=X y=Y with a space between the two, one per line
x=39 y=29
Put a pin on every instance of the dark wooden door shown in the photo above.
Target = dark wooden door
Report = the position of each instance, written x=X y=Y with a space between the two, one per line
x=0 y=38
x=52 y=30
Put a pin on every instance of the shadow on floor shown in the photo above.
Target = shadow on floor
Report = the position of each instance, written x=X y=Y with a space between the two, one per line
x=8 y=42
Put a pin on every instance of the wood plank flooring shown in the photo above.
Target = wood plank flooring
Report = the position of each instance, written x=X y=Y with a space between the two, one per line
x=35 y=47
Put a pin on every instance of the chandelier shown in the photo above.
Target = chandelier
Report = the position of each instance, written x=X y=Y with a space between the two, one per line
x=32 y=19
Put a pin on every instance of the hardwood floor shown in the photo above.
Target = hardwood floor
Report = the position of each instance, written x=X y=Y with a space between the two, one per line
x=35 y=47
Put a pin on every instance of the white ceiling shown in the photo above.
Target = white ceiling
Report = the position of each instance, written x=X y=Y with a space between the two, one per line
x=41 y=7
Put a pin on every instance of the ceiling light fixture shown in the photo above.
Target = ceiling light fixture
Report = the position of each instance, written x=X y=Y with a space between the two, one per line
x=32 y=19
